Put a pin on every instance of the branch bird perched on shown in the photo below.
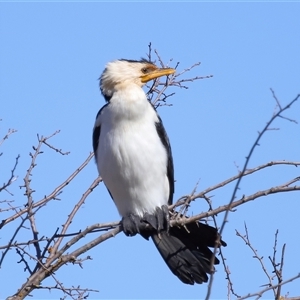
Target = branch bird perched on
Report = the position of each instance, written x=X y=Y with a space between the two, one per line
x=134 y=159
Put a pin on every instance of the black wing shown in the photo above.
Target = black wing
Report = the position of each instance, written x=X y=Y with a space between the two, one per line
x=170 y=167
x=96 y=137
x=96 y=131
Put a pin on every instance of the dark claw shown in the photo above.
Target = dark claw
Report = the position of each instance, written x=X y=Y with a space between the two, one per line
x=165 y=210
x=159 y=220
x=131 y=225
x=150 y=219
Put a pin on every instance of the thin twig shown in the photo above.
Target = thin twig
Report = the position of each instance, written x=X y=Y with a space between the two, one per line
x=74 y=211
x=227 y=181
x=52 y=195
x=12 y=177
x=255 y=144
x=246 y=239
x=241 y=175
x=260 y=293
x=9 y=132
x=12 y=240
x=61 y=260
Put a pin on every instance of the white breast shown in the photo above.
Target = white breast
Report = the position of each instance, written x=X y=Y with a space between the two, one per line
x=131 y=157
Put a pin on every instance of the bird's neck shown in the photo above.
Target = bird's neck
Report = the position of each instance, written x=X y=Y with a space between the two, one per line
x=129 y=103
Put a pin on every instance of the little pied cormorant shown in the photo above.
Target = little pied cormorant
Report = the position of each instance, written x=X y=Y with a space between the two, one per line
x=134 y=159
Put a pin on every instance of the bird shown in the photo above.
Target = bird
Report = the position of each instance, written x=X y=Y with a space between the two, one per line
x=134 y=158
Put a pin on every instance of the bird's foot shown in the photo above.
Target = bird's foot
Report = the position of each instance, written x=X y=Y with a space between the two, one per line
x=160 y=220
x=132 y=225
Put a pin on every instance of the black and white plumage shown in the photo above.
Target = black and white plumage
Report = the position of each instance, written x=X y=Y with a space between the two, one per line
x=134 y=159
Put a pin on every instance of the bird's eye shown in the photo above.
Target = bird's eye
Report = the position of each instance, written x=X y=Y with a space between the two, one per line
x=145 y=70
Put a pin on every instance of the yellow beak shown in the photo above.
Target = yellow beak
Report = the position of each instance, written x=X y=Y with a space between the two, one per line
x=157 y=73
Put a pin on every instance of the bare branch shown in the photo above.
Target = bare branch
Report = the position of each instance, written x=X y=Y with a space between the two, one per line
x=27 y=267
x=12 y=177
x=280 y=272
x=156 y=93
x=74 y=211
x=11 y=241
x=49 y=268
x=44 y=141
x=260 y=293
x=244 y=199
x=10 y=132
x=255 y=144
x=246 y=239
x=181 y=201
x=52 y=195
x=276 y=99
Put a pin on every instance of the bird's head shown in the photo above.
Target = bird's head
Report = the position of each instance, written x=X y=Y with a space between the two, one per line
x=123 y=72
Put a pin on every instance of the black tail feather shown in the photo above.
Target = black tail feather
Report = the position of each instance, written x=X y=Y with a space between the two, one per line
x=185 y=251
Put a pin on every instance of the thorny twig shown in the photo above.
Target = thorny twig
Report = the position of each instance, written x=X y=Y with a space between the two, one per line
x=226 y=268
x=60 y=259
x=44 y=141
x=277 y=272
x=256 y=143
x=260 y=293
x=241 y=201
x=9 y=132
x=74 y=211
x=29 y=191
x=12 y=240
x=246 y=239
x=12 y=177
x=74 y=292
x=201 y=194
x=27 y=267
x=53 y=195
x=241 y=175
x=184 y=209
x=156 y=93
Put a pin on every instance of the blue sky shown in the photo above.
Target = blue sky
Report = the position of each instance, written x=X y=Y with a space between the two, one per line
x=51 y=56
